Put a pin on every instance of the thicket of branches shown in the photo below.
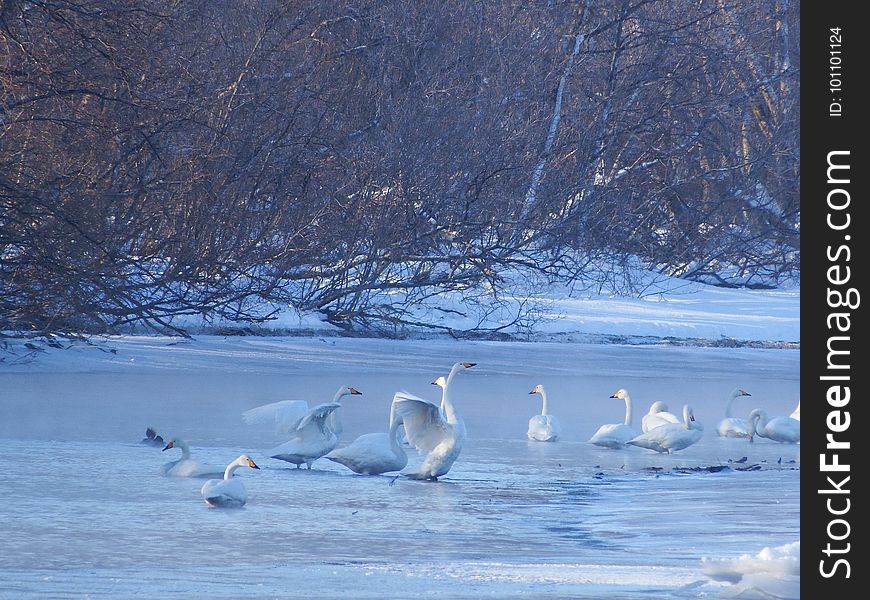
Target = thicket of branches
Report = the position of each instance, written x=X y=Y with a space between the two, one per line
x=162 y=157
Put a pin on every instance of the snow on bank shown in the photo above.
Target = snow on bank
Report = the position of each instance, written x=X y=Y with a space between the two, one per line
x=772 y=573
x=668 y=308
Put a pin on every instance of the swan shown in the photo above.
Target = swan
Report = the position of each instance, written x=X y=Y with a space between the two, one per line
x=543 y=427
x=734 y=426
x=778 y=429
x=286 y=414
x=796 y=413
x=374 y=453
x=671 y=437
x=615 y=435
x=437 y=435
x=185 y=466
x=152 y=439
x=228 y=492
x=312 y=437
x=658 y=415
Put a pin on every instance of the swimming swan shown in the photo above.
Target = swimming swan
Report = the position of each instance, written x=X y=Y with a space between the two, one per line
x=438 y=436
x=658 y=415
x=673 y=436
x=286 y=414
x=615 y=435
x=374 y=453
x=778 y=429
x=185 y=466
x=312 y=438
x=228 y=492
x=543 y=427
x=734 y=426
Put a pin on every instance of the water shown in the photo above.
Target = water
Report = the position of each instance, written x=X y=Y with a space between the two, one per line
x=87 y=514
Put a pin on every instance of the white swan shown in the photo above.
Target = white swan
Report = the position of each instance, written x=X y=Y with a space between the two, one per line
x=734 y=426
x=615 y=435
x=228 y=492
x=778 y=429
x=671 y=437
x=438 y=436
x=796 y=413
x=543 y=427
x=374 y=453
x=312 y=438
x=186 y=466
x=286 y=414
x=658 y=415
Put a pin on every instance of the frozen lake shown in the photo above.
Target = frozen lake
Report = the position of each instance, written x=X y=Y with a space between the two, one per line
x=89 y=515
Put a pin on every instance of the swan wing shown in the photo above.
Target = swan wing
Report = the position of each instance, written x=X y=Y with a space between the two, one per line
x=424 y=424
x=733 y=427
x=314 y=421
x=224 y=492
x=285 y=414
x=543 y=428
x=651 y=421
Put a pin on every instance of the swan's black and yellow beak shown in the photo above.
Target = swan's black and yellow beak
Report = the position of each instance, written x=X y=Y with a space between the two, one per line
x=614 y=396
x=468 y=365
x=434 y=382
x=745 y=393
x=691 y=417
x=168 y=446
x=532 y=392
x=355 y=392
x=252 y=464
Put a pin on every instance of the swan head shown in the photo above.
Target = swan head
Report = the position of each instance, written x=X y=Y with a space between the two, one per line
x=740 y=392
x=245 y=461
x=462 y=365
x=348 y=391
x=621 y=394
x=538 y=389
x=174 y=443
x=440 y=381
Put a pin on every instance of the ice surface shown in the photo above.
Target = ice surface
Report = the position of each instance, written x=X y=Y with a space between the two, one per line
x=86 y=513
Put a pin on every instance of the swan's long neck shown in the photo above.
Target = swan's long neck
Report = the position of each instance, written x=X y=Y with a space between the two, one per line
x=544 y=404
x=394 y=434
x=687 y=420
x=757 y=421
x=734 y=395
x=446 y=403
x=627 y=399
x=185 y=449
x=333 y=421
x=231 y=468
x=393 y=415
